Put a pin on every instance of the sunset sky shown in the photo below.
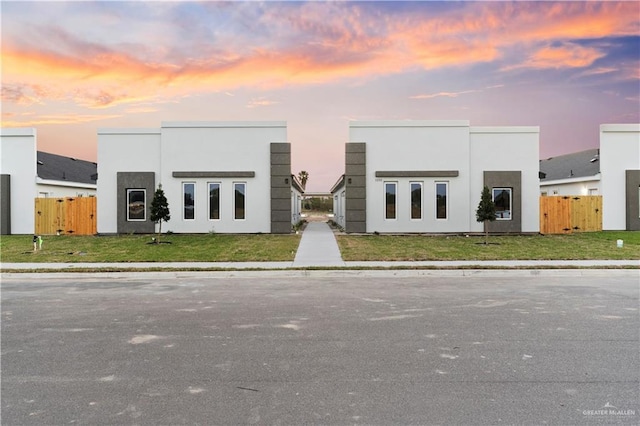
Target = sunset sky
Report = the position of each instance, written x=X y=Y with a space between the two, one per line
x=69 y=68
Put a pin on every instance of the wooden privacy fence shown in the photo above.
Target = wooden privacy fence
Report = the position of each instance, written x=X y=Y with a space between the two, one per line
x=75 y=216
x=568 y=214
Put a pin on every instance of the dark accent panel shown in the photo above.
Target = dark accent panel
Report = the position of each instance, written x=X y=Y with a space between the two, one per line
x=281 y=148
x=632 y=184
x=507 y=179
x=5 y=205
x=281 y=170
x=417 y=173
x=280 y=204
x=354 y=158
x=280 y=160
x=213 y=174
x=135 y=180
x=356 y=187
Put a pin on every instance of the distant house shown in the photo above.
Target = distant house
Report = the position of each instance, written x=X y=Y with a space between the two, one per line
x=28 y=174
x=571 y=174
x=612 y=170
x=223 y=177
x=428 y=176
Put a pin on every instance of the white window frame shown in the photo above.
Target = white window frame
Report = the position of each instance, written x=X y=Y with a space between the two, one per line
x=219 y=201
x=421 y=184
x=446 y=207
x=510 y=201
x=245 y=201
x=184 y=206
x=384 y=188
x=144 y=191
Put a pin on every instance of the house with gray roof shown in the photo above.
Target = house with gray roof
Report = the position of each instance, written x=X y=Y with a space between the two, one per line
x=571 y=174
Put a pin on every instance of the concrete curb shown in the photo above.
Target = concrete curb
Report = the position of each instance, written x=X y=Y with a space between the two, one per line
x=336 y=273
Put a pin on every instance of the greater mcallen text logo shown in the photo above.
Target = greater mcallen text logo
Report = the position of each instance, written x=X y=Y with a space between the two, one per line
x=609 y=410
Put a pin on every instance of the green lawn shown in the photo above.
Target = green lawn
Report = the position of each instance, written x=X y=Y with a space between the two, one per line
x=596 y=245
x=265 y=247
x=136 y=248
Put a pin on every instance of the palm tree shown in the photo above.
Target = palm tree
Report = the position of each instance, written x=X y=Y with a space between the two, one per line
x=303 y=177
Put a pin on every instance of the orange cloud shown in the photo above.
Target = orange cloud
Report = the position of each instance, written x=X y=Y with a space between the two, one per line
x=337 y=41
x=566 y=56
x=57 y=119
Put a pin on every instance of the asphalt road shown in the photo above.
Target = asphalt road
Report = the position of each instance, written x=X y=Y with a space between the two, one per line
x=151 y=350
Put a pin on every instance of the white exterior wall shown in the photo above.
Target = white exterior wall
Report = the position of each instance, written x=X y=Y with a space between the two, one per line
x=296 y=206
x=193 y=147
x=415 y=146
x=339 y=207
x=619 y=151
x=18 y=158
x=60 y=189
x=577 y=186
x=123 y=150
x=220 y=146
x=506 y=149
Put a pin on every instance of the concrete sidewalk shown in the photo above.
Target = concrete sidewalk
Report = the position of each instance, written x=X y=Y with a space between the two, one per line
x=318 y=247
x=451 y=264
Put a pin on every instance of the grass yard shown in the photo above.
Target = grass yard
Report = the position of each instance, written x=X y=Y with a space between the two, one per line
x=136 y=248
x=585 y=246
x=266 y=247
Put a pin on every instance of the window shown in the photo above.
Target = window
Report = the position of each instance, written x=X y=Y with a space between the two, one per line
x=136 y=205
x=416 y=200
x=239 y=200
x=189 y=192
x=390 y=200
x=442 y=190
x=502 y=200
x=214 y=201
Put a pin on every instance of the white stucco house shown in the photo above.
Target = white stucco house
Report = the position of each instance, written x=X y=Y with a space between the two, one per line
x=27 y=174
x=612 y=171
x=223 y=177
x=428 y=176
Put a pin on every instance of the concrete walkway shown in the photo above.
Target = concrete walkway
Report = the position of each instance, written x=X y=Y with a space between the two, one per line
x=318 y=247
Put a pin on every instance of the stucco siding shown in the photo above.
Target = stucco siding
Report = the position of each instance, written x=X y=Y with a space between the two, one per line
x=18 y=160
x=507 y=149
x=122 y=150
x=619 y=152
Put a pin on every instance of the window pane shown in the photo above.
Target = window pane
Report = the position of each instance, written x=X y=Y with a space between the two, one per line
x=239 y=200
x=416 y=200
x=189 y=190
x=441 y=200
x=136 y=204
x=390 y=196
x=214 y=201
x=502 y=201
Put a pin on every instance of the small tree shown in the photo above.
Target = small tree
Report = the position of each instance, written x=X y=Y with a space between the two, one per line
x=159 y=209
x=486 y=211
x=303 y=177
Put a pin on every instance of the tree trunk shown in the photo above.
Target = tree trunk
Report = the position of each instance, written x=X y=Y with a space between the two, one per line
x=159 y=232
x=486 y=233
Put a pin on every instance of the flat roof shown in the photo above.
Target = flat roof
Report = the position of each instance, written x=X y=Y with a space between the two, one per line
x=222 y=124
x=630 y=127
x=505 y=129
x=410 y=123
x=129 y=131
x=17 y=131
